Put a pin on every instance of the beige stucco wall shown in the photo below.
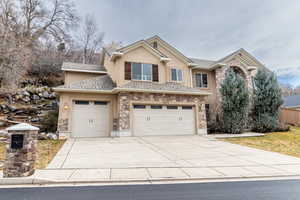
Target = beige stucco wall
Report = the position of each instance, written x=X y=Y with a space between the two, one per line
x=140 y=54
x=71 y=77
x=65 y=109
x=211 y=84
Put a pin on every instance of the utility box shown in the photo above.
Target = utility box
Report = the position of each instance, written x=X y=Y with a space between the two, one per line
x=21 y=150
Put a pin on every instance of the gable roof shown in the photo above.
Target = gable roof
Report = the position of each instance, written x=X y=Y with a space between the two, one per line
x=292 y=101
x=170 y=47
x=240 y=51
x=80 y=67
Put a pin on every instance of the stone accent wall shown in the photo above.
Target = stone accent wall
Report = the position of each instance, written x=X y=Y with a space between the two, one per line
x=62 y=125
x=21 y=162
x=126 y=99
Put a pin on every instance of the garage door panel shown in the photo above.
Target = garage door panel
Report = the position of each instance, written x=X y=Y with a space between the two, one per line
x=90 y=120
x=163 y=121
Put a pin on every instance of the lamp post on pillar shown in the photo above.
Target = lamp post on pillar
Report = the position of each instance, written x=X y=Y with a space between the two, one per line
x=21 y=150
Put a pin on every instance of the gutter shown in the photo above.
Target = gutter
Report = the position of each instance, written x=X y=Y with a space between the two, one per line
x=86 y=71
x=117 y=90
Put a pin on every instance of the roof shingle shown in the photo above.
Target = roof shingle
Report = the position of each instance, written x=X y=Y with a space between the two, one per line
x=81 y=66
x=103 y=82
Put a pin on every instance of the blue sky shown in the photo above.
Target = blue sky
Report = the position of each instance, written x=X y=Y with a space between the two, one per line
x=208 y=29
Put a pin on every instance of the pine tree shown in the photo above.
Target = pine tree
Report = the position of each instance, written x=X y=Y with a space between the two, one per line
x=267 y=100
x=235 y=100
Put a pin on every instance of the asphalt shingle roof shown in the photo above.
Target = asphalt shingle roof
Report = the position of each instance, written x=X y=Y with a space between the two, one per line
x=202 y=63
x=81 y=66
x=103 y=82
x=292 y=101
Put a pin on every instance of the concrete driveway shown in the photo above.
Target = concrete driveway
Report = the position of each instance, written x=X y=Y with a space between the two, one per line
x=166 y=157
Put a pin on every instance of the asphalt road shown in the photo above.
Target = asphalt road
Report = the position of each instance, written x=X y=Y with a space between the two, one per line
x=258 y=190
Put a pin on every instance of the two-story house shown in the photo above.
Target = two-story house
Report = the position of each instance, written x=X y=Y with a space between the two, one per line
x=145 y=88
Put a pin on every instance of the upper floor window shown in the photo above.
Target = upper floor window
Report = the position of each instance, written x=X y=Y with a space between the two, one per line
x=176 y=74
x=141 y=71
x=201 y=80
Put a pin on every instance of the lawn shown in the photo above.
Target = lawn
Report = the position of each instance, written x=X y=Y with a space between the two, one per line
x=47 y=149
x=282 y=142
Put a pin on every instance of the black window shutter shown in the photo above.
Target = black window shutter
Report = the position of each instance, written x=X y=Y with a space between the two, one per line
x=127 y=71
x=155 y=73
x=204 y=80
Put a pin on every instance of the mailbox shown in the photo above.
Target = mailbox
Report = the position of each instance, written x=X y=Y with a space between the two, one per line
x=17 y=141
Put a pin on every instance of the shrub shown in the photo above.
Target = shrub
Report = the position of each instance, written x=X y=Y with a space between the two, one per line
x=49 y=121
x=267 y=100
x=235 y=100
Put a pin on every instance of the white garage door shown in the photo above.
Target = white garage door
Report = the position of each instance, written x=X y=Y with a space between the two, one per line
x=90 y=119
x=163 y=120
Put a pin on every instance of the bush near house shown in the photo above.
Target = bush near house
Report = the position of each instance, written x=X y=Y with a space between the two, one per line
x=235 y=100
x=49 y=121
x=267 y=100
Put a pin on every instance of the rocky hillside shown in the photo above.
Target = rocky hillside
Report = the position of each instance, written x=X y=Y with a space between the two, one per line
x=28 y=104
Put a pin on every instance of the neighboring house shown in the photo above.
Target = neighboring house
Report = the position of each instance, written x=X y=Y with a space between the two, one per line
x=145 y=88
x=292 y=102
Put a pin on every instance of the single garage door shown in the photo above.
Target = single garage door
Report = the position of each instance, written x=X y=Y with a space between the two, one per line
x=163 y=120
x=90 y=119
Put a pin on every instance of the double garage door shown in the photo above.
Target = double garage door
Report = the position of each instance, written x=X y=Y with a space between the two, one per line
x=163 y=120
x=90 y=119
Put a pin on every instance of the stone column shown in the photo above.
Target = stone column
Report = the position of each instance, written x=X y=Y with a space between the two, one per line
x=124 y=114
x=21 y=150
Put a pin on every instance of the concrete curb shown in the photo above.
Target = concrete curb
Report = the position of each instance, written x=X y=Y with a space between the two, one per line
x=36 y=181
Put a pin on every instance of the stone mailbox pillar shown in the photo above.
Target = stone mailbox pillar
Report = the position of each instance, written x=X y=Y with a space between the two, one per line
x=21 y=150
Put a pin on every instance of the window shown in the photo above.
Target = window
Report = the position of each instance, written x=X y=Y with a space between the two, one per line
x=176 y=74
x=139 y=106
x=100 y=103
x=201 y=80
x=156 y=107
x=187 y=107
x=82 y=102
x=155 y=45
x=172 y=107
x=141 y=71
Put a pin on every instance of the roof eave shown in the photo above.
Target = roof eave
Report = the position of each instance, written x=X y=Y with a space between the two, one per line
x=115 y=55
x=61 y=90
x=84 y=71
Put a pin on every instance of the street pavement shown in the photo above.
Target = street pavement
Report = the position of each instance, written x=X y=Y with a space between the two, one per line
x=258 y=190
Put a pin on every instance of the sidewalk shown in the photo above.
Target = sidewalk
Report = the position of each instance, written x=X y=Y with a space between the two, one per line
x=106 y=175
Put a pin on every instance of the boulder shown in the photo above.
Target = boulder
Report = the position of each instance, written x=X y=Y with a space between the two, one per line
x=26 y=99
x=42 y=136
x=35 y=97
x=35 y=119
x=12 y=108
x=52 y=136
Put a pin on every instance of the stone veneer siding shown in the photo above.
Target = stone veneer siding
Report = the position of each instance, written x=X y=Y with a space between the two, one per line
x=21 y=162
x=126 y=100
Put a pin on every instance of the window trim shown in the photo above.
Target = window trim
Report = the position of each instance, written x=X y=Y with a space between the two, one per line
x=177 y=74
x=131 y=64
x=81 y=102
x=201 y=73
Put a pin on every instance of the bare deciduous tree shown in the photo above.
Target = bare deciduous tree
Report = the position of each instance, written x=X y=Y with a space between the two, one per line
x=23 y=23
x=89 y=40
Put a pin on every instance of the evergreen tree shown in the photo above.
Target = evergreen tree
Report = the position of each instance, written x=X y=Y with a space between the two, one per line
x=235 y=100
x=267 y=100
